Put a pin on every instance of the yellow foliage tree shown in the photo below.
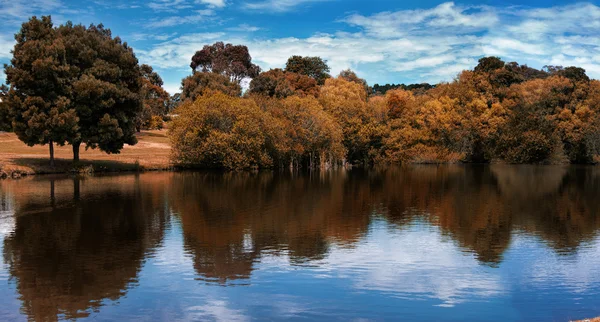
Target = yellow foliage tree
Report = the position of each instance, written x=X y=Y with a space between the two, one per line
x=308 y=134
x=220 y=131
x=347 y=102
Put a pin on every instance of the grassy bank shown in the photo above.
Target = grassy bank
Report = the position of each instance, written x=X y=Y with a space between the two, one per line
x=151 y=153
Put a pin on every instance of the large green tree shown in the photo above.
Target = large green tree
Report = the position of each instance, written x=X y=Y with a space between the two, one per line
x=73 y=84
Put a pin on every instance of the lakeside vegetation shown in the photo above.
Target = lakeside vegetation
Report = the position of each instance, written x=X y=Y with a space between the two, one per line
x=74 y=85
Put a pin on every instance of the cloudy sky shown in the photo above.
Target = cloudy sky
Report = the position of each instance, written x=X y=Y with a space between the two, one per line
x=384 y=41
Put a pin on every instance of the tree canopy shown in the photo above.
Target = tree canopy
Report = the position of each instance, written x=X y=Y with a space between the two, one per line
x=233 y=61
x=281 y=84
x=200 y=83
x=154 y=98
x=314 y=67
x=73 y=84
x=496 y=112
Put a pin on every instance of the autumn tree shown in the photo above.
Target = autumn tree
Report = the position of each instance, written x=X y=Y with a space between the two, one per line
x=73 y=84
x=200 y=83
x=314 y=67
x=347 y=103
x=281 y=84
x=351 y=76
x=233 y=61
x=219 y=131
x=154 y=98
x=307 y=134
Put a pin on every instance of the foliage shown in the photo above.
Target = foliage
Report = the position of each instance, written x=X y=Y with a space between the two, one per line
x=199 y=84
x=314 y=67
x=351 y=76
x=40 y=109
x=174 y=102
x=154 y=98
x=417 y=88
x=347 y=103
x=305 y=133
x=233 y=61
x=73 y=84
x=281 y=84
x=5 y=119
x=220 y=131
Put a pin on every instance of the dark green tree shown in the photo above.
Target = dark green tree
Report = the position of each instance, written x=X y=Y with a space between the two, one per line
x=39 y=100
x=314 y=67
x=72 y=84
x=488 y=64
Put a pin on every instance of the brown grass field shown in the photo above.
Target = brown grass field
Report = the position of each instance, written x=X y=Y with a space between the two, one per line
x=150 y=153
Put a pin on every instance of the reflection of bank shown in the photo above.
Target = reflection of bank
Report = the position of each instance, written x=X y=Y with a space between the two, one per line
x=480 y=207
x=80 y=242
x=84 y=240
x=230 y=220
x=559 y=204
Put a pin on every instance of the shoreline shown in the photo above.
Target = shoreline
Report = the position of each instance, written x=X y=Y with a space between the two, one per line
x=152 y=153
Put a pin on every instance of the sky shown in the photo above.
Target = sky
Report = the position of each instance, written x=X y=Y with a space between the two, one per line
x=383 y=41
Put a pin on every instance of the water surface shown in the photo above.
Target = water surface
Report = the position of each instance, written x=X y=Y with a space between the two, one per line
x=424 y=243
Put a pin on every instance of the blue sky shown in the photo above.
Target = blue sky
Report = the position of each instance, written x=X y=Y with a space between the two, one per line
x=384 y=41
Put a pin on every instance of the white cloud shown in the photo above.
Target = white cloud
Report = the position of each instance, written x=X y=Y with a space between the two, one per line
x=213 y=3
x=139 y=36
x=419 y=45
x=446 y=18
x=198 y=16
x=424 y=62
x=277 y=5
x=245 y=28
x=6 y=45
x=172 y=88
x=177 y=5
x=169 y=5
x=19 y=10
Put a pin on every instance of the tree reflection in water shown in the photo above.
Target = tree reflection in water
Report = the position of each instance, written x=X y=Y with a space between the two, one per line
x=79 y=242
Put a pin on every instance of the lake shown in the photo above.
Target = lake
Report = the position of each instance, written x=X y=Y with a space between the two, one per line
x=419 y=243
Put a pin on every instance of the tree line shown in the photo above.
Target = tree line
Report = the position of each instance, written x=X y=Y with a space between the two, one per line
x=73 y=84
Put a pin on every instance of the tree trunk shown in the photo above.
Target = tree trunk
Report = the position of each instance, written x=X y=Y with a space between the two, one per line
x=51 y=153
x=52 y=198
x=76 y=151
x=76 y=189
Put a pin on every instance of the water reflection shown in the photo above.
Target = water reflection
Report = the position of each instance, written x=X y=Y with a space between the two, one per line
x=445 y=235
x=77 y=243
